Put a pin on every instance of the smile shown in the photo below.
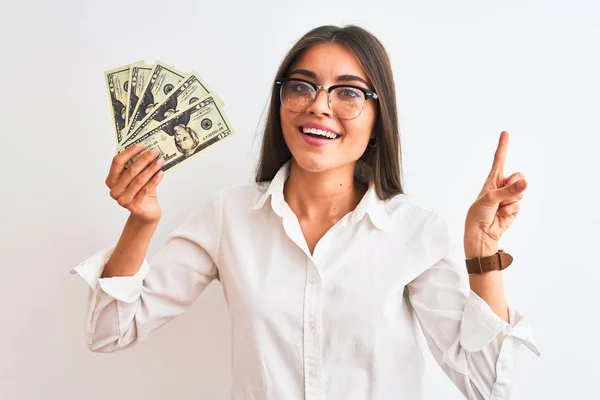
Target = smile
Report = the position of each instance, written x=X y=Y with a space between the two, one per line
x=319 y=133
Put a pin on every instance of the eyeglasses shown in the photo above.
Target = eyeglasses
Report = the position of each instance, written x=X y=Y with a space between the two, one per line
x=345 y=101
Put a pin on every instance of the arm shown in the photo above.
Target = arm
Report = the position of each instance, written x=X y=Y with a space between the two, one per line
x=495 y=209
x=130 y=251
x=123 y=310
x=489 y=286
x=474 y=346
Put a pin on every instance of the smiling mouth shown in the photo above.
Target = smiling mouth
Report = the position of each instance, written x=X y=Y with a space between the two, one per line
x=319 y=133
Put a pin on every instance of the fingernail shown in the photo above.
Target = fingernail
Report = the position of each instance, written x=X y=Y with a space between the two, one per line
x=520 y=184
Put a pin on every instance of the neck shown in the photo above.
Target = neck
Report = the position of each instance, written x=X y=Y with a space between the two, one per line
x=322 y=195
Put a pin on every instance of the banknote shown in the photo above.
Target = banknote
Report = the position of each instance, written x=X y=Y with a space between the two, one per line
x=163 y=78
x=186 y=133
x=117 y=82
x=138 y=79
x=188 y=91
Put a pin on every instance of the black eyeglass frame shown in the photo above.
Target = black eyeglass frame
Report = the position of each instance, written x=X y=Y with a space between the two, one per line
x=369 y=94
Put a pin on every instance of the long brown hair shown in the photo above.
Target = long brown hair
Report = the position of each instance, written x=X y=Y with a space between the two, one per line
x=379 y=164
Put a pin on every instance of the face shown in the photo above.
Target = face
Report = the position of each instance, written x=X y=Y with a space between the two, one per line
x=182 y=138
x=326 y=65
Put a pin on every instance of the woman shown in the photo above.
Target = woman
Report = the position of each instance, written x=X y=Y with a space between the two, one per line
x=329 y=270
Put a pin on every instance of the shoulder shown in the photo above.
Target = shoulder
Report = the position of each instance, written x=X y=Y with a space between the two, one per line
x=408 y=206
x=417 y=217
x=242 y=196
x=228 y=204
x=426 y=224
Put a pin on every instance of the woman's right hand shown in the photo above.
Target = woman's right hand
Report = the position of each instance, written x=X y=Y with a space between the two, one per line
x=134 y=188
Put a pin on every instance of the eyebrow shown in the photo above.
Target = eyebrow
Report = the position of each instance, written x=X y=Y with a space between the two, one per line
x=341 y=78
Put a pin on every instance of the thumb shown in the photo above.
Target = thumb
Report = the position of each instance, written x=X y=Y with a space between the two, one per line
x=508 y=191
x=495 y=197
x=517 y=187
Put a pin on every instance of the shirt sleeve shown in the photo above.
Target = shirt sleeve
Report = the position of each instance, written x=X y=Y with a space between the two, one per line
x=472 y=345
x=122 y=311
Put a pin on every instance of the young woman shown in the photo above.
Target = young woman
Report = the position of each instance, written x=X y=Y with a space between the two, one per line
x=329 y=269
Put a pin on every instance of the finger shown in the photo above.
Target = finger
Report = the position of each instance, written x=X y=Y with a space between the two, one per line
x=139 y=182
x=507 y=194
x=118 y=163
x=509 y=210
x=500 y=155
x=517 y=176
x=149 y=189
x=513 y=178
x=143 y=160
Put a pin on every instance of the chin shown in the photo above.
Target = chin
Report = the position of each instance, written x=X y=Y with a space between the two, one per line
x=317 y=163
x=313 y=162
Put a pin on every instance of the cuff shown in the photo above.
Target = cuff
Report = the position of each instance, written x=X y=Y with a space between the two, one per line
x=480 y=325
x=517 y=333
x=123 y=288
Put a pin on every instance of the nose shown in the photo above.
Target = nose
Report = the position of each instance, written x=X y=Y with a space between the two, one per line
x=321 y=104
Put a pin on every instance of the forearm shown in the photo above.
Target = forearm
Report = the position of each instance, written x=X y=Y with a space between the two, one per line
x=131 y=249
x=488 y=286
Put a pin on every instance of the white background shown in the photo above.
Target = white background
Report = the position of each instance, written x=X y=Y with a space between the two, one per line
x=464 y=70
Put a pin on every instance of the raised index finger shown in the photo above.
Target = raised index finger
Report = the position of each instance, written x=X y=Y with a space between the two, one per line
x=500 y=156
x=118 y=162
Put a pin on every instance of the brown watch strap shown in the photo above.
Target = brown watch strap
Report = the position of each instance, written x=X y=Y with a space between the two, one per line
x=495 y=262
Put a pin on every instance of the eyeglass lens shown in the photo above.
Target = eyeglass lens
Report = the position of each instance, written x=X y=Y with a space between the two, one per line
x=345 y=102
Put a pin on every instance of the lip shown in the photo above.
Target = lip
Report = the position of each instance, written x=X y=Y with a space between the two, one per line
x=316 y=141
x=318 y=126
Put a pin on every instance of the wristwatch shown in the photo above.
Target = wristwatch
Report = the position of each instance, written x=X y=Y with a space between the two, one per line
x=495 y=262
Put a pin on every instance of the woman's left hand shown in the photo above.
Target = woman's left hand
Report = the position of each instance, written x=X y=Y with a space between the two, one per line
x=496 y=207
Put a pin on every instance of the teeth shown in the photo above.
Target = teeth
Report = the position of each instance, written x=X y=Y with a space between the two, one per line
x=320 y=132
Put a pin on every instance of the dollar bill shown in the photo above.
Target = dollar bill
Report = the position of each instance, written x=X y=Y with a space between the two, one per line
x=117 y=82
x=188 y=91
x=138 y=79
x=163 y=78
x=186 y=133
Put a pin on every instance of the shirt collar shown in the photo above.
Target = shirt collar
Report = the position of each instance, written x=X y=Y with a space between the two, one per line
x=275 y=190
x=374 y=207
x=370 y=204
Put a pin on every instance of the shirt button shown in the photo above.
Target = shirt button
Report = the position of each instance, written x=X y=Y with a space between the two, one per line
x=312 y=324
x=313 y=279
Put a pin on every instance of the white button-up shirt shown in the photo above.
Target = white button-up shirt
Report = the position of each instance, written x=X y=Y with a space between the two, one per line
x=341 y=323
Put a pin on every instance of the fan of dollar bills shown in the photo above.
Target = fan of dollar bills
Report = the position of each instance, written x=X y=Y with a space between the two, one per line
x=161 y=107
